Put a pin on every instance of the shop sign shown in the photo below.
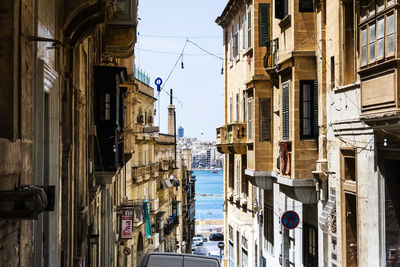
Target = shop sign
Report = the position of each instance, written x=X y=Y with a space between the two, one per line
x=126 y=227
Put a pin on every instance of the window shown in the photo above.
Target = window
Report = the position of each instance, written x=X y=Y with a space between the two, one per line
x=231 y=254
x=236 y=41
x=231 y=46
x=310 y=245
x=237 y=107
x=244 y=32
x=237 y=177
x=348 y=71
x=249 y=126
x=308 y=109
x=263 y=24
x=269 y=227
x=244 y=108
x=107 y=107
x=265 y=119
x=363 y=46
x=390 y=34
x=306 y=6
x=249 y=28
x=372 y=37
x=332 y=72
x=285 y=111
x=230 y=109
x=349 y=165
x=244 y=258
x=392 y=212
x=245 y=182
x=281 y=9
x=379 y=37
x=231 y=170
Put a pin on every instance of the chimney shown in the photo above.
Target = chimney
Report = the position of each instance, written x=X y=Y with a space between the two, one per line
x=171 y=116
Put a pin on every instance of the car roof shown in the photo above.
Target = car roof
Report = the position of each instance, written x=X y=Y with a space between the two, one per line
x=164 y=259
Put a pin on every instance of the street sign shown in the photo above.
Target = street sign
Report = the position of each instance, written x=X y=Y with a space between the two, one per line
x=158 y=82
x=290 y=219
x=221 y=245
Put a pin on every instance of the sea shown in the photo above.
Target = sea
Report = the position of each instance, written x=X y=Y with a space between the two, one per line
x=212 y=184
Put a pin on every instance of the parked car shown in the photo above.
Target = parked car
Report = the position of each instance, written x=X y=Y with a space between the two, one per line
x=201 y=251
x=202 y=236
x=196 y=241
x=216 y=237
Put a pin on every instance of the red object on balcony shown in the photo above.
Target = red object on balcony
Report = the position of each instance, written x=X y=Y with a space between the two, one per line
x=284 y=149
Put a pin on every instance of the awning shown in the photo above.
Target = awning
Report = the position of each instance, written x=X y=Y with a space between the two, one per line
x=167 y=183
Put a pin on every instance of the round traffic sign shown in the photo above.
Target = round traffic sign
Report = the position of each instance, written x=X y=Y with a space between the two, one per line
x=290 y=219
x=221 y=245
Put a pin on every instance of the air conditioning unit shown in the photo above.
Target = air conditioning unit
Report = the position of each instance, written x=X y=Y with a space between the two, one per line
x=154 y=241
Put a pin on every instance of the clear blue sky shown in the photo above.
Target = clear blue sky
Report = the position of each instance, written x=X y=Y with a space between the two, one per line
x=199 y=86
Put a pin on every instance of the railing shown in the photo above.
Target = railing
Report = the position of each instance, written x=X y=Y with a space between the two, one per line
x=271 y=57
x=172 y=222
x=221 y=135
x=166 y=165
x=142 y=76
x=236 y=133
x=137 y=174
x=154 y=168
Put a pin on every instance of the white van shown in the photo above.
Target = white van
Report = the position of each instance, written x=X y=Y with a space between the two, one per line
x=164 y=259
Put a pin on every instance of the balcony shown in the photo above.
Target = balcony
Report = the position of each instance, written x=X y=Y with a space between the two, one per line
x=271 y=59
x=154 y=170
x=167 y=165
x=232 y=138
x=154 y=205
x=296 y=184
x=172 y=222
x=380 y=103
x=138 y=173
x=154 y=241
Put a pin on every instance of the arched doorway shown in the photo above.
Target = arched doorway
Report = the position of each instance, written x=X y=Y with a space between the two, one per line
x=139 y=251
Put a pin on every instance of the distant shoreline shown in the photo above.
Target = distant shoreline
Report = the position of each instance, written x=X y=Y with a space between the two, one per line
x=218 y=169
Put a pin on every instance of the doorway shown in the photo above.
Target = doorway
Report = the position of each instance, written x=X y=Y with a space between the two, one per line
x=139 y=252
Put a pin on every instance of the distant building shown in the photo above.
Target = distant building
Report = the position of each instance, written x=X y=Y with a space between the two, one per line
x=180 y=132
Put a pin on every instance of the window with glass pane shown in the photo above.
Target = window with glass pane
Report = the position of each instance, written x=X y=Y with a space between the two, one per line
x=363 y=46
x=379 y=37
x=371 y=9
x=244 y=258
x=230 y=109
x=244 y=32
x=231 y=256
x=306 y=118
x=237 y=107
x=363 y=13
x=230 y=47
x=390 y=34
x=372 y=36
x=249 y=120
x=390 y=2
x=249 y=28
x=380 y=5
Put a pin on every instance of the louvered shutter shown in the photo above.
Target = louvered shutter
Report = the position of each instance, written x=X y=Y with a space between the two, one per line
x=315 y=110
x=263 y=24
x=265 y=120
x=285 y=8
x=285 y=111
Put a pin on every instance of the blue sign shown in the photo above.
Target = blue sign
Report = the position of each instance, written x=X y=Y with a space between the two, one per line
x=158 y=82
x=290 y=219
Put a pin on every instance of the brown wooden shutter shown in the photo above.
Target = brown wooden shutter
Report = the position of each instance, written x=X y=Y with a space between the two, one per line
x=265 y=119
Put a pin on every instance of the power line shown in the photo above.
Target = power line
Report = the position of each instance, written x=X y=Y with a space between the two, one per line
x=170 y=53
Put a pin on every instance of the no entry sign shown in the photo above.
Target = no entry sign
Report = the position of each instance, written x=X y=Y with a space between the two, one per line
x=290 y=219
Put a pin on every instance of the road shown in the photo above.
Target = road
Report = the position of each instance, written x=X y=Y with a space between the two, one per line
x=212 y=247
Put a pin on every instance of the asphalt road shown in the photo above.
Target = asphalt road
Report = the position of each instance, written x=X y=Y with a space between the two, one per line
x=212 y=247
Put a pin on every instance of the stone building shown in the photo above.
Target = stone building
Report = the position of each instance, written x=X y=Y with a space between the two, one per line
x=71 y=136
x=329 y=113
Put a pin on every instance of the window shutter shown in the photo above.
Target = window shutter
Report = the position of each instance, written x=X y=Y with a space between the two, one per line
x=285 y=111
x=285 y=8
x=263 y=24
x=265 y=121
x=249 y=29
x=315 y=110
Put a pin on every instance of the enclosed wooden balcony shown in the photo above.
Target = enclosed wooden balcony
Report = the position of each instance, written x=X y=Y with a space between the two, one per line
x=380 y=93
x=296 y=166
x=232 y=138
x=138 y=174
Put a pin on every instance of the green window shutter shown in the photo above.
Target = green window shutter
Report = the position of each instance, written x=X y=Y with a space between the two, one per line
x=265 y=119
x=315 y=110
x=249 y=29
x=306 y=5
x=285 y=111
x=263 y=24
